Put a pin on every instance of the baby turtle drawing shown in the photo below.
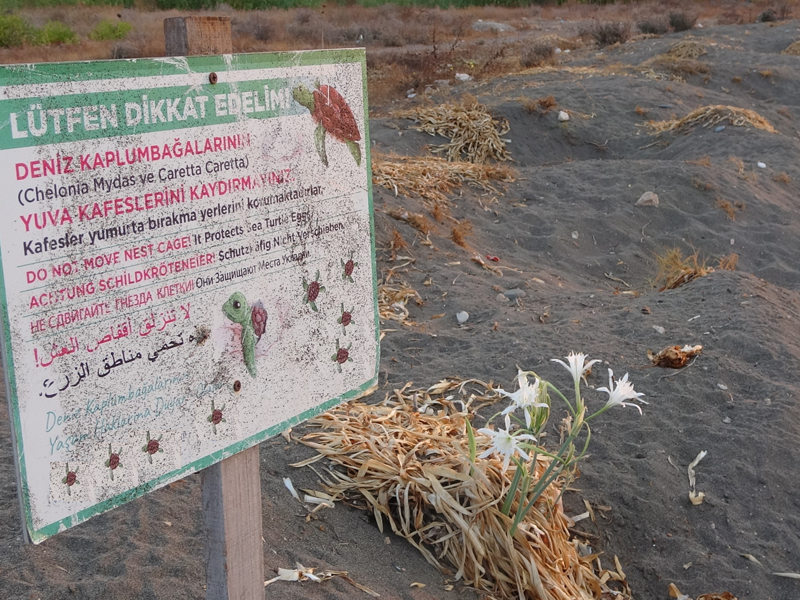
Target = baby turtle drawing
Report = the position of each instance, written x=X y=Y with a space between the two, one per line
x=253 y=320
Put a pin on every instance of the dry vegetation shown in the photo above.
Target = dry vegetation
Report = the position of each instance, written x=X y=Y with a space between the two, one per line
x=407 y=461
x=675 y=270
x=709 y=116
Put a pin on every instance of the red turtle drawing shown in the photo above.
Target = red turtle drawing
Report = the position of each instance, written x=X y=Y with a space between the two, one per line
x=333 y=116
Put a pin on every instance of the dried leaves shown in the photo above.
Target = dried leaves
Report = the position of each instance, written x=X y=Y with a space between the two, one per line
x=392 y=301
x=474 y=133
x=674 y=357
x=407 y=461
x=709 y=116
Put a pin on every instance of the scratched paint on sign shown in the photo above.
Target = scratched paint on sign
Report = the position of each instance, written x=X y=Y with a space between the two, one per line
x=187 y=268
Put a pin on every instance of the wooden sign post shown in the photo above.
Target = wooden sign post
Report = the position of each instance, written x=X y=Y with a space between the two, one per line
x=234 y=555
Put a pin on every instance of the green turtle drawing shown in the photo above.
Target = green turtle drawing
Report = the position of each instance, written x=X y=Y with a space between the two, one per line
x=332 y=115
x=253 y=320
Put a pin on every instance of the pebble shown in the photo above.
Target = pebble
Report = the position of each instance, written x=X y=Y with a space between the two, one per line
x=514 y=293
x=575 y=235
x=462 y=317
x=762 y=165
x=767 y=401
x=558 y=50
x=659 y=329
x=722 y=386
x=563 y=116
x=720 y=128
x=726 y=420
x=463 y=77
x=648 y=199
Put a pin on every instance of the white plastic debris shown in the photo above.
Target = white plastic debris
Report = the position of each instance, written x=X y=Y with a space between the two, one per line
x=463 y=77
x=762 y=165
x=659 y=329
x=462 y=317
x=562 y=115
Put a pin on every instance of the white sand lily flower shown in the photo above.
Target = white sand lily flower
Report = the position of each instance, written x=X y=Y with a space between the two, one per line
x=619 y=393
x=525 y=397
x=577 y=366
x=505 y=443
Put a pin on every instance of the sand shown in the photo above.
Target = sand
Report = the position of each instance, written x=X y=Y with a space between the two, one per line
x=569 y=235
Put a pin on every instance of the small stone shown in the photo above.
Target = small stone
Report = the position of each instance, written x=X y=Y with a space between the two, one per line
x=767 y=401
x=462 y=317
x=558 y=50
x=722 y=386
x=720 y=128
x=567 y=51
x=563 y=116
x=463 y=77
x=659 y=329
x=648 y=199
x=761 y=165
x=732 y=241
x=411 y=96
x=503 y=298
x=726 y=420
x=514 y=293
x=575 y=235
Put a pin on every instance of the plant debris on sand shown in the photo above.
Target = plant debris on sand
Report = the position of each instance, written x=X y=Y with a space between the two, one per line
x=407 y=461
x=474 y=133
x=674 y=270
x=708 y=116
x=432 y=178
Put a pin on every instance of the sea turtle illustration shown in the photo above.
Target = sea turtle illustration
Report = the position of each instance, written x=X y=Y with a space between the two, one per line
x=253 y=320
x=332 y=115
x=312 y=292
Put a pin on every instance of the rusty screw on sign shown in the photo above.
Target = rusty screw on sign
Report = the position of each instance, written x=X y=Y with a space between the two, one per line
x=212 y=77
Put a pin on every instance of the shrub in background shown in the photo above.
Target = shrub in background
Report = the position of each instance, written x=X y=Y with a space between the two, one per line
x=107 y=30
x=14 y=31
x=538 y=54
x=653 y=27
x=56 y=32
x=681 y=21
x=607 y=34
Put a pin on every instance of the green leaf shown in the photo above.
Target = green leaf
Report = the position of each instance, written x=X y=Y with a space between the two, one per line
x=319 y=142
x=355 y=150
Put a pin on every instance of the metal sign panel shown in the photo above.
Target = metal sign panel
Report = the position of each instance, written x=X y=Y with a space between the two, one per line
x=187 y=265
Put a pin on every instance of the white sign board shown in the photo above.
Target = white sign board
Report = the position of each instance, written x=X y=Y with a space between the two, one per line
x=187 y=265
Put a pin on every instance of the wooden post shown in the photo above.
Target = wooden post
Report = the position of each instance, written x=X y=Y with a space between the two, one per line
x=193 y=36
x=232 y=488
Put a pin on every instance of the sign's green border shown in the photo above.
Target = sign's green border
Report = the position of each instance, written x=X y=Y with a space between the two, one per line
x=116 y=69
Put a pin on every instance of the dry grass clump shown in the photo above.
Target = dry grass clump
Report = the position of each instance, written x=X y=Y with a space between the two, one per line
x=540 y=105
x=460 y=232
x=681 y=59
x=703 y=161
x=474 y=133
x=782 y=177
x=393 y=300
x=432 y=178
x=793 y=49
x=417 y=220
x=406 y=460
x=675 y=270
x=709 y=116
x=730 y=208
